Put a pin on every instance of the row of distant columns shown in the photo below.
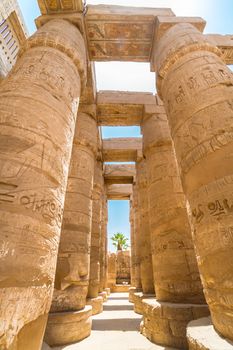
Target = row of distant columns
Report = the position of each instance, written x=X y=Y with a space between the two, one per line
x=53 y=221
x=187 y=152
x=39 y=104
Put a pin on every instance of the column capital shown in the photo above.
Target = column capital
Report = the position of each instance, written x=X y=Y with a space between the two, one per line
x=61 y=35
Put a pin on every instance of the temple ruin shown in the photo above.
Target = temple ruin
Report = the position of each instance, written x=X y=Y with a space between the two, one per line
x=55 y=184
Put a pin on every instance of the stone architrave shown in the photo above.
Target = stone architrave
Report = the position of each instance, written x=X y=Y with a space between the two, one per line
x=94 y=279
x=144 y=236
x=39 y=102
x=138 y=283
x=171 y=239
x=73 y=265
x=197 y=90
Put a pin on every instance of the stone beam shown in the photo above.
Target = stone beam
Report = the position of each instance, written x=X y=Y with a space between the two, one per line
x=119 y=173
x=121 y=108
x=121 y=149
x=119 y=192
x=225 y=44
x=119 y=33
x=56 y=6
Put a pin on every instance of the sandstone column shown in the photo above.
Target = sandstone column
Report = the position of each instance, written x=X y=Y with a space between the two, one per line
x=197 y=90
x=138 y=283
x=103 y=251
x=72 y=274
x=112 y=269
x=132 y=240
x=179 y=295
x=144 y=239
x=94 y=283
x=39 y=102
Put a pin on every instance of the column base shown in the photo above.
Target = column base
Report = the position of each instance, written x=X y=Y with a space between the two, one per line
x=104 y=295
x=138 y=299
x=68 y=327
x=165 y=323
x=97 y=305
x=201 y=335
x=108 y=291
x=132 y=291
x=45 y=347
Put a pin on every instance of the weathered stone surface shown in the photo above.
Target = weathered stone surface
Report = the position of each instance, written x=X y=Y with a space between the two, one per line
x=132 y=245
x=56 y=6
x=119 y=192
x=132 y=291
x=45 y=347
x=176 y=274
x=120 y=288
x=201 y=335
x=225 y=44
x=138 y=299
x=119 y=174
x=97 y=305
x=165 y=323
x=94 y=279
x=68 y=327
x=121 y=149
x=72 y=274
x=104 y=295
x=104 y=241
x=108 y=291
x=144 y=236
x=136 y=253
x=197 y=89
x=123 y=267
x=112 y=268
x=39 y=96
x=122 y=108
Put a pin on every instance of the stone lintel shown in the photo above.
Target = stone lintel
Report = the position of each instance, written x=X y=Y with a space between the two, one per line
x=119 y=192
x=119 y=173
x=119 y=33
x=56 y=6
x=121 y=149
x=121 y=108
x=225 y=44
x=162 y=24
x=150 y=110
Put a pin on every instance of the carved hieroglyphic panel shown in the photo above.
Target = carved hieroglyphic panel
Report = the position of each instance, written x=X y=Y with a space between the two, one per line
x=53 y=6
x=121 y=33
x=225 y=44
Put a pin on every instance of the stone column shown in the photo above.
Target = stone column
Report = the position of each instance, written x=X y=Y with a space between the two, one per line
x=179 y=295
x=39 y=102
x=73 y=265
x=112 y=269
x=103 y=251
x=197 y=90
x=138 y=283
x=94 y=283
x=144 y=240
x=132 y=240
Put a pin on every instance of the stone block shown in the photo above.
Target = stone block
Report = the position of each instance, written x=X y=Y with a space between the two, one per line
x=108 y=291
x=132 y=291
x=97 y=305
x=201 y=335
x=68 y=327
x=165 y=323
x=138 y=301
x=104 y=295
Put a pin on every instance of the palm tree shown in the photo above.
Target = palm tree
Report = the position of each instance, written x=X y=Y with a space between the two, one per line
x=120 y=241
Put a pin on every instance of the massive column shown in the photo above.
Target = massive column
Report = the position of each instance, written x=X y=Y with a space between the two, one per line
x=39 y=102
x=132 y=240
x=138 y=283
x=177 y=282
x=103 y=245
x=197 y=90
x=94 y=283
x=144 y=239
x=72 y=274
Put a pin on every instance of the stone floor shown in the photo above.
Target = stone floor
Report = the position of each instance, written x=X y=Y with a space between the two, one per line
x=116 y=329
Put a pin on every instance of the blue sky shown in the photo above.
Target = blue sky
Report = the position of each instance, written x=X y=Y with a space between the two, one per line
x=137 y=76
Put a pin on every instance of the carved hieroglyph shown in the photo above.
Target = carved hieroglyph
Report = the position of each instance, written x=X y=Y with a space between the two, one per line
x=197 y=89
x=94 y=282
x=39 y=102
x=72 y=274
x=144 y=237
x=176 y=275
